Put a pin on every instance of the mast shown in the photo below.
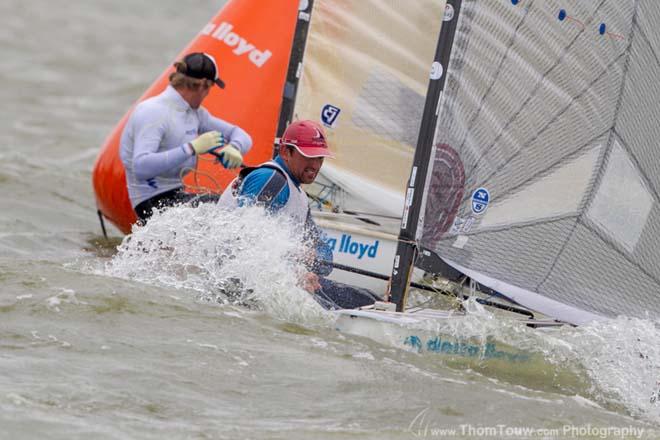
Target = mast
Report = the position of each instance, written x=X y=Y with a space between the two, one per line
x=406 y=251
x=295 y=66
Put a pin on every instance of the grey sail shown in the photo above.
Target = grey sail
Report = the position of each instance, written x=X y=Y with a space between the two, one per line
x=546 y=171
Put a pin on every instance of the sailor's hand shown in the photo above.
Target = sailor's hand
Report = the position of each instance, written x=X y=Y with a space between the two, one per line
x=230 y=157
x=207 y=141
x=310 y=282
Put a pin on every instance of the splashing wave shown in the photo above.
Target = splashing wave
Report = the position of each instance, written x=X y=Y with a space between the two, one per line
x=242 y=257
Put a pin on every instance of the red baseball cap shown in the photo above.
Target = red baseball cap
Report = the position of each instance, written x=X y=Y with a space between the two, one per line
x=308 y=138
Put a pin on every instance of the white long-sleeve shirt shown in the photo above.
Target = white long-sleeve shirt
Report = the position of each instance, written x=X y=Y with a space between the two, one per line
x=153 y=146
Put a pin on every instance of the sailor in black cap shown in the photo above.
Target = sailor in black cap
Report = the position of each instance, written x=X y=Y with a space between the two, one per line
x=164 y=135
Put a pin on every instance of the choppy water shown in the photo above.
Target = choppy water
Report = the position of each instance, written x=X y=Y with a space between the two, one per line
x=135 y=344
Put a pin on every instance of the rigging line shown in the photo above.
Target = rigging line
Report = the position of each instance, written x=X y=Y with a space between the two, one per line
x=372 y=214
x=412 y=242
x=427 y=288
x=365 y=217
x=534 y=92
x=322 y=199
x=453 y=296
x=474 y=288
x=547 y=126
x=197 y=186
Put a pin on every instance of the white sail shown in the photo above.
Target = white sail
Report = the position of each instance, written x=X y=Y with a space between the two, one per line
x=365 y=74
x=546 y=175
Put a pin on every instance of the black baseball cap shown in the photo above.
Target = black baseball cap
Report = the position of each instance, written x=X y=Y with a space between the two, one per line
x=202 y=66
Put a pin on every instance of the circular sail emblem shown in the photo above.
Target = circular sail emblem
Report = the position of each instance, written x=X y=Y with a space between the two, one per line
x=480 y=200
x=444 y=194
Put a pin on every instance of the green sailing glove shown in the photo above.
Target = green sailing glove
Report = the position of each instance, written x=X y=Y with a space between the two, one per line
x=207 y=141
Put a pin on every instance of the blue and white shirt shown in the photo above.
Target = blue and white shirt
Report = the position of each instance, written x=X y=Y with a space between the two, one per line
x=273 y=186
x=153 y=146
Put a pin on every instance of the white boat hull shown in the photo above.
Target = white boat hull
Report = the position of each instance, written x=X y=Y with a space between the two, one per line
x=356 y=245
x=430 y=333
x=425 y=331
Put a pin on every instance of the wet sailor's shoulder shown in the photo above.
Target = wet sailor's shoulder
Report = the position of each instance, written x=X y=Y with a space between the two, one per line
x=267 y=185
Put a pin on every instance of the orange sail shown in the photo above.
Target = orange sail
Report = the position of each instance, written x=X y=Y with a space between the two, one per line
x=251 y=40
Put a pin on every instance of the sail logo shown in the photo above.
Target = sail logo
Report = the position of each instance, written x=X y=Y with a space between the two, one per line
x=329 y=115
x=348 y=245
x=480 y=200
x=223 y=32
x=462 y=225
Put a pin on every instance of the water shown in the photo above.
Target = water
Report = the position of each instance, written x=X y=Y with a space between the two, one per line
x=100 y=344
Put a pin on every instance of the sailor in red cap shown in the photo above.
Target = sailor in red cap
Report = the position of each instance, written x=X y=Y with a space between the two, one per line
x=164 y=135
x=276 y=185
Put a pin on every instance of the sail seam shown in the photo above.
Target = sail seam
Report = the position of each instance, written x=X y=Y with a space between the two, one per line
x=635 y=30
x=550 y=122
x=537 y=87
x=495 y=75
x=603 y=159
x=647 y=182
x=561 y=159
x=646 y=40
x=521 y=225
x=614 y=133
x=625 y=255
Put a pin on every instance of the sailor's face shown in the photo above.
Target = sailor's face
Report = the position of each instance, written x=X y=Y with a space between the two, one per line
x=200 y=94
x=303 y=168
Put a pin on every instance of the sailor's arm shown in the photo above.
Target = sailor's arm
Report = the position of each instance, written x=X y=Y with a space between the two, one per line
x=322 y=264
x=148 y=162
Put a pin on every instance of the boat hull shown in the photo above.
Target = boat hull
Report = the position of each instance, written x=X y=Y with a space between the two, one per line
x=426 y=331
x=435 y=335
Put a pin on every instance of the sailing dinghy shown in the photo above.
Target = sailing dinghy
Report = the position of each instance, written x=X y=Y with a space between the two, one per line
x=533 y=169
x=368 y=85
x=535 y=172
